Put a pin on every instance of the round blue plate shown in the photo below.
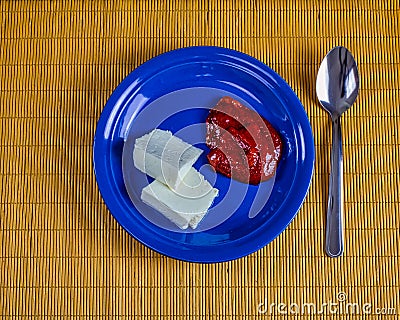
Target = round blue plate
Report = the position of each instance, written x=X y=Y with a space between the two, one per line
x=174 y=91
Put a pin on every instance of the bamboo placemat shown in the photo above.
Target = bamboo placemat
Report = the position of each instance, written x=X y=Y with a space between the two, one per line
x=62 y=254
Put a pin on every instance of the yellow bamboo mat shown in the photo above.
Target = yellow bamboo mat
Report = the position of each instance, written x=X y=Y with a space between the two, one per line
x=61 y=251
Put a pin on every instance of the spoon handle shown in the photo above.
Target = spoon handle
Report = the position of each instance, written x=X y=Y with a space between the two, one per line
x=334 y=228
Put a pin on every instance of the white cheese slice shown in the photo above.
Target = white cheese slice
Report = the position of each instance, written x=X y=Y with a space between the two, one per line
x=164 y=157
x=185 y=206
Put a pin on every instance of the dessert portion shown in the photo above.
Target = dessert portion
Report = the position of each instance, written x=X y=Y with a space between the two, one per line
x=164 y=157
x=179 y=191
x=243 y=145
x=184 y=211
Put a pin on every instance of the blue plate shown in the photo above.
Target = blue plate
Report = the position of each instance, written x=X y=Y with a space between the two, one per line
x=174 y=91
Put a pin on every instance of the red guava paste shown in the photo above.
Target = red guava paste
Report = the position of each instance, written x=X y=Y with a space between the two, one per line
x=244 y=146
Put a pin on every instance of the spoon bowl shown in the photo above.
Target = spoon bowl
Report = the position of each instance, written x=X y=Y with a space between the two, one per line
x=337 y=88
x=337 y=81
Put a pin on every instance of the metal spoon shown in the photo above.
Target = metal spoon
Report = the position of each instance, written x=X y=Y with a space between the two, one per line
x=337 y=89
